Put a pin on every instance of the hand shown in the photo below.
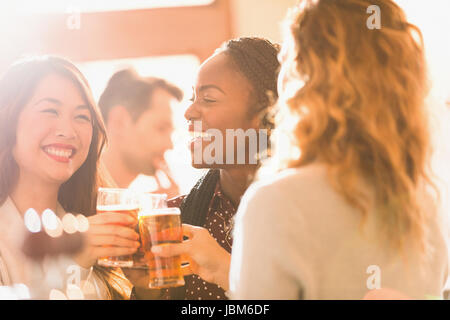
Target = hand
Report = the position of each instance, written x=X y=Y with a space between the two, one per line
x=205 y=256
x=109 y=234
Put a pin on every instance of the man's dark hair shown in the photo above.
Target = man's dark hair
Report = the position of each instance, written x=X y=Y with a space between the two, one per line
x=128 y=89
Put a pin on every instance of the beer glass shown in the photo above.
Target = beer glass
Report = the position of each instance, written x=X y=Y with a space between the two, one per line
x=160 y=227
x=147 y=202
x=122 y=201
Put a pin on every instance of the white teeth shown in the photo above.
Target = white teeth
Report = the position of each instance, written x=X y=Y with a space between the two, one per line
x=64 y=153
x=199 y=134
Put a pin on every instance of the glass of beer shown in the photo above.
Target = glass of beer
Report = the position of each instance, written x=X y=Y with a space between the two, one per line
x=122 y=201
x=160 y=227
x=147 y=202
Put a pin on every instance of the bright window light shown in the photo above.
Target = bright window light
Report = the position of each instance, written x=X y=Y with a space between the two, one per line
x=63 y=6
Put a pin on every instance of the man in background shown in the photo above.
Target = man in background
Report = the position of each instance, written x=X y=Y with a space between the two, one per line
x=138 y=118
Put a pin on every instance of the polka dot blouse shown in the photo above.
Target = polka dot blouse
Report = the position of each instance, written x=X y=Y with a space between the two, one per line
x=219 y=223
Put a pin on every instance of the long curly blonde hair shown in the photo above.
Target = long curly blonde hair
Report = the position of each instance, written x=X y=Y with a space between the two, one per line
x=353 y=98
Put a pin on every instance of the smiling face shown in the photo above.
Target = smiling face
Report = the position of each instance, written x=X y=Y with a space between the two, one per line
x=221 y=101
x=54 y=132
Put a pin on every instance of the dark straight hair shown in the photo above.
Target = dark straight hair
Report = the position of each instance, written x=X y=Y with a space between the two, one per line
x=17 y=85
x=79 y=193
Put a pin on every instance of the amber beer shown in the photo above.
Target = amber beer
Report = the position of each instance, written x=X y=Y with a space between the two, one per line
x=147 y=202
x=110 y=200
x=162 y=227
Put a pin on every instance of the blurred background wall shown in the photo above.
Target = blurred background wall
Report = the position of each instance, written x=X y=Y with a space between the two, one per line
x=259 y=17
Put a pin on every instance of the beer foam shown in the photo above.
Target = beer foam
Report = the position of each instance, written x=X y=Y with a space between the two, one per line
x=117 y=207
x=159 y=212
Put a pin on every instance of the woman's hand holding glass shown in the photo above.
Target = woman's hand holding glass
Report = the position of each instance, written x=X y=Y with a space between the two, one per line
x=109 y=234
x=205 y=256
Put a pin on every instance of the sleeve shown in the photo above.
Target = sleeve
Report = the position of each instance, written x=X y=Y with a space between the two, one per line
x=175 y=202
x=93 y=287
x=265 y=262
x=150 y=294
x=90 y=284
x=4 y=277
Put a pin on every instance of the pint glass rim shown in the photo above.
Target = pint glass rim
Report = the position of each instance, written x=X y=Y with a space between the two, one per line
x=160 y=211
x=114 y=189
x=156 y=195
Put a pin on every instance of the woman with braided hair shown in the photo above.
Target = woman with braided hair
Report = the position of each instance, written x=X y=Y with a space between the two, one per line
x=234 y=89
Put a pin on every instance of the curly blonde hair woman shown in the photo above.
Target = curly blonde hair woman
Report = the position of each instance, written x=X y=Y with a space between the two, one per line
x=352 y=211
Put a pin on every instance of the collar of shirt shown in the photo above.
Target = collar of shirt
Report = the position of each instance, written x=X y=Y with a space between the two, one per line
x=221 y=202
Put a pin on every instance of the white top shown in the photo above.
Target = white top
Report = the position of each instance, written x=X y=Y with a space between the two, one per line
x=16 y=268
x=295 y=237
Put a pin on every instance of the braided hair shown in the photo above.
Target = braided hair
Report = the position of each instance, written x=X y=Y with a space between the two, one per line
x=256 y=59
